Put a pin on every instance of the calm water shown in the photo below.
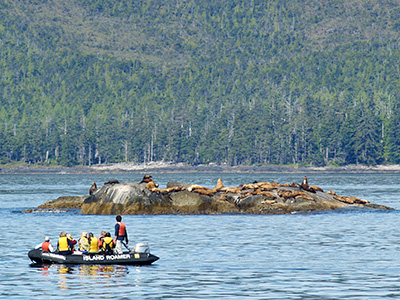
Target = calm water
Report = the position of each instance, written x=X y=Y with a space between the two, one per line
x=348 y=254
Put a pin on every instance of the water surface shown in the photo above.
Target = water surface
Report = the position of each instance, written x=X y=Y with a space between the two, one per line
x=346 y=254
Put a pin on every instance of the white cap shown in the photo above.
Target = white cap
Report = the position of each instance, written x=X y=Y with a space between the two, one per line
x=46 y=239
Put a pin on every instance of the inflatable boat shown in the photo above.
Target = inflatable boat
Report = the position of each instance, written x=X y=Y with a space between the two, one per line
x=140 y=256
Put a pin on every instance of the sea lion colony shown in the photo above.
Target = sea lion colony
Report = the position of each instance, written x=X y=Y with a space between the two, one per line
x=256 y=188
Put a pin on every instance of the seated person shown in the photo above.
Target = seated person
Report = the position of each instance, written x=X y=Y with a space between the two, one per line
x=73 y=241
x=108 y=244
x=46 y=245
x=83 y=242
x=64 y=244
x=93 y=243
x=101 y=237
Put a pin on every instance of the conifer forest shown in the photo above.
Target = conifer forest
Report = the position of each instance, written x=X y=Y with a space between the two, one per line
x=303 y=82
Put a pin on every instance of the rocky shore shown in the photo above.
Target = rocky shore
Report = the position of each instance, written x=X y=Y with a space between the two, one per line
x=146 y=197
x=166 y=167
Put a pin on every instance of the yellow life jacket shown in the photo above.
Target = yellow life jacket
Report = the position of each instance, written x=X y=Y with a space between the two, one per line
x=63 y=244
x=108 y=241
x=94 y=245
x=83 y=243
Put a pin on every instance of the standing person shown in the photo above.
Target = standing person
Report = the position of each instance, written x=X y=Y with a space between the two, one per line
x=120 y=234
x=46 y=245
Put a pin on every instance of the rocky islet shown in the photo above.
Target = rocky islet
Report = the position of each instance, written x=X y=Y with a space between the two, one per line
x=146 y=197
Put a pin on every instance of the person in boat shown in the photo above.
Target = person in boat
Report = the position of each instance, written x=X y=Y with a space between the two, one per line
x=73 y=241
x=107 y=244
x=93 y=243
x=101 y=237
x=120 y=235
x=46 y=245
x=83 y=242
x=64 y=244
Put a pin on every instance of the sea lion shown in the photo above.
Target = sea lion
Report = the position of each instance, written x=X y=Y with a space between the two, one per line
x=269 y=202
x=305 y=186
x=303 y=195
x=250 y=186
x=151 y=185
x=206 y=191
x=296 y=185
x=266 y=186
x=219 y=185
x=263 y=193
x=351 y=200
x=228 y=189
x=203 y=191
x=288 y=194
x=195 y=186
x=146 y=178
x=93 y=188
x=316 y=188
x=112 y=181
x=170 y=190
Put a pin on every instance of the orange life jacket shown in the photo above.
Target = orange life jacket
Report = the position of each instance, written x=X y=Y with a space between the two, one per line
x=122 y=229
x=45 y=246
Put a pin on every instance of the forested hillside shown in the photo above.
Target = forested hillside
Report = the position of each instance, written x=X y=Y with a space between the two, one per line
x=312 y=82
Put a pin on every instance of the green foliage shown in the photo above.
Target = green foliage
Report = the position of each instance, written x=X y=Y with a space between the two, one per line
x=236 y=82
x=392 y=141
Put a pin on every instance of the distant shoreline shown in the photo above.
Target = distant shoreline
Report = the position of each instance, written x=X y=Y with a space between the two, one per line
x=161 y=167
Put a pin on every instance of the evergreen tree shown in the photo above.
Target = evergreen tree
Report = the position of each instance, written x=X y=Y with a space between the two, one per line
x=392 y=137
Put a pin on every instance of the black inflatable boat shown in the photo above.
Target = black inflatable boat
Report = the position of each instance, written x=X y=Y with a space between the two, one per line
x=134 y=258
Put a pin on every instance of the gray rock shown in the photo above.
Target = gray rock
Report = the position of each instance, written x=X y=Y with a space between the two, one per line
x=136 y=198
x=171 y=184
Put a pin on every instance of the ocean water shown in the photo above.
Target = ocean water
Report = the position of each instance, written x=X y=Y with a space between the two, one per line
x=346 y=254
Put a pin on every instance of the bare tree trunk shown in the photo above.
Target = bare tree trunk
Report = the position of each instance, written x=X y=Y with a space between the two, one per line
x=126 y=150
x=90 y=155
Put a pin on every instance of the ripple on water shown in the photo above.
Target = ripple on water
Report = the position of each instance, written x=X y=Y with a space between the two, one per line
x=348 y=254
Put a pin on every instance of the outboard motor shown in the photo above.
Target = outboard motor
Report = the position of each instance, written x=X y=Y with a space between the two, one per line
x=142 y=248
